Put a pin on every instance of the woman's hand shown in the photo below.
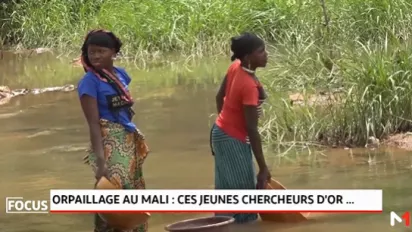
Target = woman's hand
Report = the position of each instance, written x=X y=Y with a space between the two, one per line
x=102 y=171
x=262 y=178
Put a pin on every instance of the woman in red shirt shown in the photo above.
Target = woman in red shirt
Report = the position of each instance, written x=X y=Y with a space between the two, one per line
x=235 y=136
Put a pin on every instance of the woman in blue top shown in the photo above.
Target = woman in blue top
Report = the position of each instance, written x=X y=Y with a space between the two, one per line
x=118 y=149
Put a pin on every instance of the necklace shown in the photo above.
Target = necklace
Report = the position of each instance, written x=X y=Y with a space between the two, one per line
x=252 y=73
x=248 y=70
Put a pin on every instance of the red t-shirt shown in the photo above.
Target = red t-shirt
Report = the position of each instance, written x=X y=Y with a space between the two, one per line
x=241 y=89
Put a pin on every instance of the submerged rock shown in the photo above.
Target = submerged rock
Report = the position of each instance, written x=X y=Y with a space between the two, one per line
x=65 y=88
x=372 y=143
x=6 y=94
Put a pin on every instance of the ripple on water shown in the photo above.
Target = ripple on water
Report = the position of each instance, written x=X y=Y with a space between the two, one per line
x=10 y=115
x=41 y=133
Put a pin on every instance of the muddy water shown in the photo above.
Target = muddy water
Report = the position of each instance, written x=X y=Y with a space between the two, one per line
x=43 y=139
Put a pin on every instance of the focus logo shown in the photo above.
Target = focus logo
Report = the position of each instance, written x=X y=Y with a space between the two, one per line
x=19 y=205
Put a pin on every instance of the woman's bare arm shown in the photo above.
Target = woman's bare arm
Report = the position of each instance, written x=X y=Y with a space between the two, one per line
x=220 y=95
x=91 y=112
x=251 y=117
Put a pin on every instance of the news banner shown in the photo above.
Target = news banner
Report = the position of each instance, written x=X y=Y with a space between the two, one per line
x=168 y=201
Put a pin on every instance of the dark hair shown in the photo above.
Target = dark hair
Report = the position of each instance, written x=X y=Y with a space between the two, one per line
x=109 y=40
x=100 y=38
x=244 y=44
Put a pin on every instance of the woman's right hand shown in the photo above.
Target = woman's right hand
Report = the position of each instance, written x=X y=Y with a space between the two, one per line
x=102 y=171
x=262 y=178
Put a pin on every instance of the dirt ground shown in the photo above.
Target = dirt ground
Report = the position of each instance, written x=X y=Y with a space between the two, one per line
x=402 y=140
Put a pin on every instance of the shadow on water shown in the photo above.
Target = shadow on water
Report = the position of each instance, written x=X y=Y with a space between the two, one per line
x=43 y=139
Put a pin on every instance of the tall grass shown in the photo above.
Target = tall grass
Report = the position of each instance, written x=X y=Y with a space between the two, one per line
x=360 y=45
x=376 y=99
x=200 y=26
x=187 y=26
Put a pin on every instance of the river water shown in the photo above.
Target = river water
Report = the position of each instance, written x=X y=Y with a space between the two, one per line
x=43 y=139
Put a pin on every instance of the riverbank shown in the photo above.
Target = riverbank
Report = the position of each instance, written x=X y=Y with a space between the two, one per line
x=401 y=140
x=360 y=48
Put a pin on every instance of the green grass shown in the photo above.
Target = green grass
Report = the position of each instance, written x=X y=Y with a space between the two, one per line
x=362 y=46
x=376 y=101
x=186 y=26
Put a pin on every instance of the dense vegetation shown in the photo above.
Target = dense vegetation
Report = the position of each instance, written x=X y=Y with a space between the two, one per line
x=360 y=46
